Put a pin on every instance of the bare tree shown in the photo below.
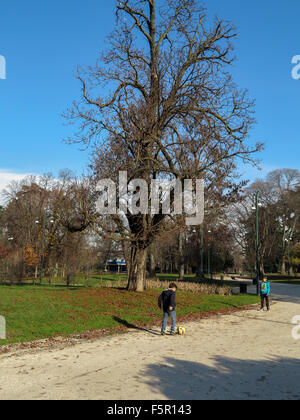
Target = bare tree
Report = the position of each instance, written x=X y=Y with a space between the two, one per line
x=278 y=218
x=171 y=109
x=37 y=222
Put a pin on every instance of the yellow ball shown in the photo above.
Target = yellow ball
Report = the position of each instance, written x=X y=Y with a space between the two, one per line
x=181 y=330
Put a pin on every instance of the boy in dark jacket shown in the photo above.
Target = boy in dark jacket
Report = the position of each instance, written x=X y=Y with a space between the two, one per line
x=167 y=302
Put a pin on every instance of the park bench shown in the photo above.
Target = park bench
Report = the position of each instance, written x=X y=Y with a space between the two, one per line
x=243 y=285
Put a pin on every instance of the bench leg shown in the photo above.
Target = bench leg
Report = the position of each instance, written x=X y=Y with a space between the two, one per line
x=243 y=289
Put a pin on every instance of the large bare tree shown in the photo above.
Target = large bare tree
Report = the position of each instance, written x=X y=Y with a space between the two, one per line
x=160 y=103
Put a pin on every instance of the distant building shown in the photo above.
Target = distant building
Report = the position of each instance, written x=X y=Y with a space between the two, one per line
x=117 y=265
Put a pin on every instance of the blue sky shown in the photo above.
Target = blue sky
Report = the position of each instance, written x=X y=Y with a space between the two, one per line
x=43 y=42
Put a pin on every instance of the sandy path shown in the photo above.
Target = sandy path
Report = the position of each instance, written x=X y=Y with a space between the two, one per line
x=245 y=355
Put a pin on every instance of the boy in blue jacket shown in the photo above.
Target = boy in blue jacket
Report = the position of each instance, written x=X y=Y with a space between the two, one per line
x=166 y=301
x=265 y=291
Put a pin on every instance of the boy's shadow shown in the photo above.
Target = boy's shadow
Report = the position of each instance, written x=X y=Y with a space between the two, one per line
x=135 y=327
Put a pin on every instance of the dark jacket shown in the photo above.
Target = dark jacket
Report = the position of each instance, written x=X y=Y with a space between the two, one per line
x=167 y=299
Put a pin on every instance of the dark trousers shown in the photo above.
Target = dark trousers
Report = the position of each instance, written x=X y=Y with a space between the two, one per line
x=263 y=299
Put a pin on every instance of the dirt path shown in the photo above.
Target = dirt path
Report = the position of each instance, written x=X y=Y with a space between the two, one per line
x=245 y=355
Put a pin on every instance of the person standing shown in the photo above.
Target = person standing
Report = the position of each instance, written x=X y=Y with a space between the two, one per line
x=167 y=302
x=265 y=291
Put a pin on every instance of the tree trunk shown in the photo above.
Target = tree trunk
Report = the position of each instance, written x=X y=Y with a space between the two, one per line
x=21 y=267
x=51 y=272
x=152 y=263
x=283 y=268
x=262 y=270
x=137 y=269
x=56 y=270
x=68 y=280
x=181 y=256
x=126 y=253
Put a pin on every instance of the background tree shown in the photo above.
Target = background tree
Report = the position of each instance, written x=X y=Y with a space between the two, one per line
x=295 y=257
x=36 y=225
x=286 y=187
x=278 y=220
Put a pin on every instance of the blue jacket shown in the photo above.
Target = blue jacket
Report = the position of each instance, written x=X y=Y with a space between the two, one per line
x=265 y=288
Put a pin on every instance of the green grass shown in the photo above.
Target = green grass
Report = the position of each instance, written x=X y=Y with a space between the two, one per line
x=37 y=312
x=93 y=280
x=101 y=279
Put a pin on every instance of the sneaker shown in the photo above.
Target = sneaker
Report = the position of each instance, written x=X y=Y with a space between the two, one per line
x=172 y=333
x=261 y=310
x=162 y=333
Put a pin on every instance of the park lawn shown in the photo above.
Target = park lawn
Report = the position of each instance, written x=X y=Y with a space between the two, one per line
x=37 y=312
x=96 y=279
x=92 y=281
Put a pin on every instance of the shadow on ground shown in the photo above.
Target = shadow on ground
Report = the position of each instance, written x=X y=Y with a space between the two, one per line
x=135 y=327
x=226 y=379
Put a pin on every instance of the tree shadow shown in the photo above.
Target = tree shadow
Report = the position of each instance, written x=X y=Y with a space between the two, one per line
x=256 y=318
x=230 y=305
x=135 y=327
x=226 y=379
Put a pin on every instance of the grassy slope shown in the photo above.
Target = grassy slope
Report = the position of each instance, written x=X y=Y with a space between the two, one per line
x=38 y=312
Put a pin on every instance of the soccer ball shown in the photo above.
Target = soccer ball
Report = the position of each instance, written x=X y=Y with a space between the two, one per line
x=181 y=330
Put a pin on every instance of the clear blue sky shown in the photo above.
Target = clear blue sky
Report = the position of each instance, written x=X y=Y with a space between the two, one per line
x=44 y=41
